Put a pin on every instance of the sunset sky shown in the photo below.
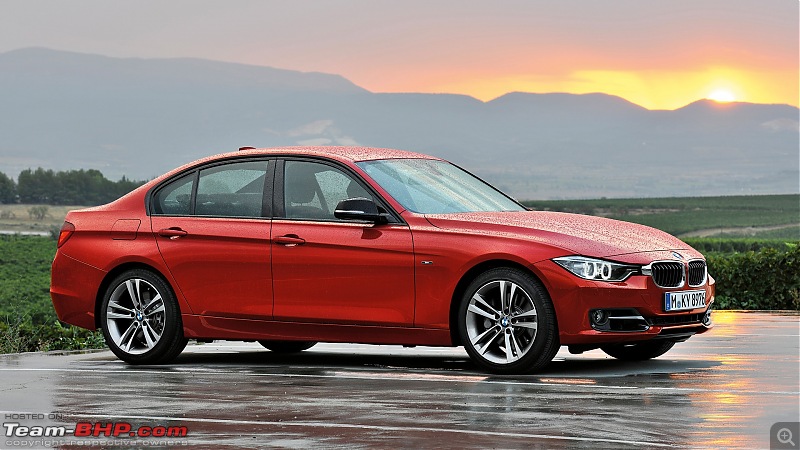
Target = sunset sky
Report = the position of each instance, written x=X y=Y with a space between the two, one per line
x=658 y=54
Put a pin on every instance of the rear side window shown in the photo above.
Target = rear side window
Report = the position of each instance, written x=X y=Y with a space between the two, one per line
x=231 y=190
x=228 y=190
x=175 y=199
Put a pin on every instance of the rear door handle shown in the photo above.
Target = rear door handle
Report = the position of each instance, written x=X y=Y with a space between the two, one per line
x=172 y=233
x=289 y=240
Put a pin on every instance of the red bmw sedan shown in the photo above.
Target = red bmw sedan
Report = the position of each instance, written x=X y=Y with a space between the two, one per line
x=299 y=245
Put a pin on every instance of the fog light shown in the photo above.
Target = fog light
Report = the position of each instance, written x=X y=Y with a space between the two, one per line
x=707 y=318
x=598 y=317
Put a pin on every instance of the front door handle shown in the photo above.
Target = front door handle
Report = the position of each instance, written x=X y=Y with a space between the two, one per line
x=172 y=233
x=289 y=240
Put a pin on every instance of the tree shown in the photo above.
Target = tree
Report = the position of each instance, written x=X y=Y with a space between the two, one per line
x=36 y=186
x=72 y=187
x=8 y=189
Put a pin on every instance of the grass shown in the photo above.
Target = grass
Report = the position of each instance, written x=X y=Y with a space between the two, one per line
x=28 y=321
x=25 y=274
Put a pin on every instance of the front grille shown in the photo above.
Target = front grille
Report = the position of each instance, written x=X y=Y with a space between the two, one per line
x=697 y=272
x=667 y=274
x=684 y=319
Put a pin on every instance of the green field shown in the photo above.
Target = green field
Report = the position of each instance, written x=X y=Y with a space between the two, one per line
x=762 y=216
x=752 y=272
x=27 y=319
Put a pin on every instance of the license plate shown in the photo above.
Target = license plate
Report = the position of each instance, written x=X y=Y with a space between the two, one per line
x=684 y=300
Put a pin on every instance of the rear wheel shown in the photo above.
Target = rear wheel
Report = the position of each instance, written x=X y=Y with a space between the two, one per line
x=287 y=346
x=141 y=319
x=638 y=351
x=507 y=322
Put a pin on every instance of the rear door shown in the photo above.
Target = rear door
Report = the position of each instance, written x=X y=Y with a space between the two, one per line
x=213 y=228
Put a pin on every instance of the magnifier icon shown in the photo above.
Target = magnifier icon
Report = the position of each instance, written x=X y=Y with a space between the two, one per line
x=784 y=436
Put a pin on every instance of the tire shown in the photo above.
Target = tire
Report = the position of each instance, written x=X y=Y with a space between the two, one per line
x=141 y=320
x=507 y=323
x=287 y=346
x=638 y=351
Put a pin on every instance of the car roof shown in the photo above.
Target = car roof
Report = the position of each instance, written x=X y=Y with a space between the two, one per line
x=340 y=153
x=349 y=153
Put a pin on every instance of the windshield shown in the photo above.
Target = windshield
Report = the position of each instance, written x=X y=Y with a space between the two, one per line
x=429 y=186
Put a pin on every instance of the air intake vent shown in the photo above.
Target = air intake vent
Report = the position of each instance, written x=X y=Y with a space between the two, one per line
x=668 y=274
x=684 y=319
x=697 y=272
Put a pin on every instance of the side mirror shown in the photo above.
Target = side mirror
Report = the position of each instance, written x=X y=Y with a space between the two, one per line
x=360 y=209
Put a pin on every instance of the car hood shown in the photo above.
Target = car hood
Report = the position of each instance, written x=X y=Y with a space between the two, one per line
x=576 y=233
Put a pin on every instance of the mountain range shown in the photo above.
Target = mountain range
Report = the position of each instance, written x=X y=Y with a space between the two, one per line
x=141 y=117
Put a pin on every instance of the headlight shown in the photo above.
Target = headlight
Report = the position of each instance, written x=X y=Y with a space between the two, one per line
x=596 y=269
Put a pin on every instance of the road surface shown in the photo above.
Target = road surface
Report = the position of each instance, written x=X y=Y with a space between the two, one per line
x=723 y=389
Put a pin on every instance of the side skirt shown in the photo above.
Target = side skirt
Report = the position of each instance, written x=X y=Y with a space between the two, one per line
x=205 y=327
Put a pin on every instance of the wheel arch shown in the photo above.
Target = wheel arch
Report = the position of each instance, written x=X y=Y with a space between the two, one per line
x=468 y=276
x=114 y=273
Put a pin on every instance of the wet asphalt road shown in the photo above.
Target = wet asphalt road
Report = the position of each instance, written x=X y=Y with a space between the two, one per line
x=723 y=389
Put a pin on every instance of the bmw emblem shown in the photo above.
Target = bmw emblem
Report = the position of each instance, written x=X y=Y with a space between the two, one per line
x=139 y=316
x=504 y=322
x=677 y=255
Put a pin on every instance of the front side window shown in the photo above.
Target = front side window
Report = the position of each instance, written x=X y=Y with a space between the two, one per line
x=312 y=190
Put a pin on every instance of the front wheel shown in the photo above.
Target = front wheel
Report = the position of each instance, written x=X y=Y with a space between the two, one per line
x=141 y=319
x=638 y=351
x=507 y=322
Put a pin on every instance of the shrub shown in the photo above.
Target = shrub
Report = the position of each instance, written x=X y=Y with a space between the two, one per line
x=767 y=279
x=22 y=335
x=38 y=212
x=741 y=245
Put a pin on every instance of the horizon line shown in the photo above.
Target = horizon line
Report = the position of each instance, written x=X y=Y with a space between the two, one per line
x=703 y=99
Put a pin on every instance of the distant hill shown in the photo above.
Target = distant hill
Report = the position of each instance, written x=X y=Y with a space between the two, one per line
x=141 y=117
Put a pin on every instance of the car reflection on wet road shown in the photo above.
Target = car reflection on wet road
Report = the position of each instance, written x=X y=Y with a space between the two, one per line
x=723 y=389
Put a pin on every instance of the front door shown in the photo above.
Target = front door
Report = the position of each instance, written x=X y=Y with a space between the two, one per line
x=334 y=271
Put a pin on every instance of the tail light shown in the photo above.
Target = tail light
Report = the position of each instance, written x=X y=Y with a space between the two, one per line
x=66 y=232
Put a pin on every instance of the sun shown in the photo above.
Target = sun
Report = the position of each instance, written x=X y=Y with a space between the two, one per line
x=721 y=96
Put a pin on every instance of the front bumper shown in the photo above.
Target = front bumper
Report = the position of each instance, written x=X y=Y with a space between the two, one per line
x=637 y=299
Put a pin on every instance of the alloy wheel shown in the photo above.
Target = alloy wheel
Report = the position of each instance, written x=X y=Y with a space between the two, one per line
x=501 y=322
x=135 y=316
